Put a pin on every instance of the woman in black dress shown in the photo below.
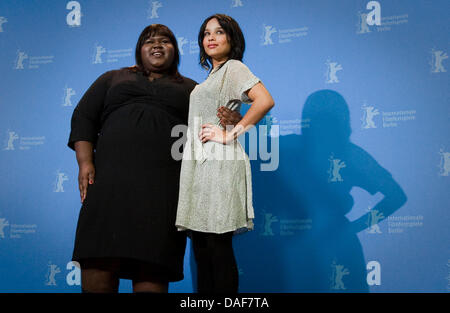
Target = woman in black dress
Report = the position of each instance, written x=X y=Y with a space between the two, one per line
x=121 y=132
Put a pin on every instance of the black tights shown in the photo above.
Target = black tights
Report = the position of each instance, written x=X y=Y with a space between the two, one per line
x=102 y=276
x=216 y=265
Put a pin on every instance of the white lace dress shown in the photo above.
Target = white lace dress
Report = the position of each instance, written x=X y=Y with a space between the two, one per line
x=215 y=180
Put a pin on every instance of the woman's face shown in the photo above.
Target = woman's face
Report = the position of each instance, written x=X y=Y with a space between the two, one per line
x=157 y=53
x=215 y=41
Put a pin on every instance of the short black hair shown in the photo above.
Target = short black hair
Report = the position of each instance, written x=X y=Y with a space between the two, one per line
x=234 y=35
x=161 y=30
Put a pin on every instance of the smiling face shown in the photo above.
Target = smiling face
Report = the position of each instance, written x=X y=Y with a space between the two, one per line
x=215 y=42
x=157 y=53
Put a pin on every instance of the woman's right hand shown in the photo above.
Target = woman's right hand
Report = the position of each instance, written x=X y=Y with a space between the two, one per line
x=86 y=177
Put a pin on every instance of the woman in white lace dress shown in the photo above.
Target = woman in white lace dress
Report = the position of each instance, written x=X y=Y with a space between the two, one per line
x=215 y=199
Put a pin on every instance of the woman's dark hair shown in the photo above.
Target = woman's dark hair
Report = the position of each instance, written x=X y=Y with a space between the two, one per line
x=157 y=30
x=234 y=35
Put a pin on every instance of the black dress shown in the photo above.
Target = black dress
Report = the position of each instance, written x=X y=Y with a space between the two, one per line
x=129 y=212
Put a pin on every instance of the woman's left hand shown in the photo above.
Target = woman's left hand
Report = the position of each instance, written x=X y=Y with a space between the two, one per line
x=228 y=117
x=213 y=133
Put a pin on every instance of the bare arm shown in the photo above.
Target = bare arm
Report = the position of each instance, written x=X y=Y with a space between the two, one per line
x=262 y=102
x=85 y=158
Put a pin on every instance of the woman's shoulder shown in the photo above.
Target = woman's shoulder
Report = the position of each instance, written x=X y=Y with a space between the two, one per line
x=112 y=77
x=236 y=67
x=117 y=71
x=124 y=71
x=113 y=73
x=236 y=64
x=189 y=81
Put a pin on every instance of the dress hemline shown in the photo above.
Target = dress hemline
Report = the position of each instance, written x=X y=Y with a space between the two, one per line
x=236 y=231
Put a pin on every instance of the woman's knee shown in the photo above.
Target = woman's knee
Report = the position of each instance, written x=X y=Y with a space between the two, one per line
x=150 y=286
x=96 y=280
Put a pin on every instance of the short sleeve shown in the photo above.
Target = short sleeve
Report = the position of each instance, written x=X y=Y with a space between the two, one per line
x=240 y=80
x=86 y=117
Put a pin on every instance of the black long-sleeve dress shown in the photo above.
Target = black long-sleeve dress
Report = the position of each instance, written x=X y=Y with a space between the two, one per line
x=129 y=212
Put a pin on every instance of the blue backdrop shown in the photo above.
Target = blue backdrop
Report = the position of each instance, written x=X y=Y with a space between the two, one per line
x=358 y=199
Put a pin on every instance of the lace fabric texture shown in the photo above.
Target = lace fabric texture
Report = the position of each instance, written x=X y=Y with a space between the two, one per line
x=215 y=180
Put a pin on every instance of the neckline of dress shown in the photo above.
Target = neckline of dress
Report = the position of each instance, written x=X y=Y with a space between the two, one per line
x=157 y=79
x=217 y=68
x=154 y=79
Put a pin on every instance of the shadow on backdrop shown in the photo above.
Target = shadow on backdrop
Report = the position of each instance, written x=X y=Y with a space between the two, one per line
x=302 y=240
